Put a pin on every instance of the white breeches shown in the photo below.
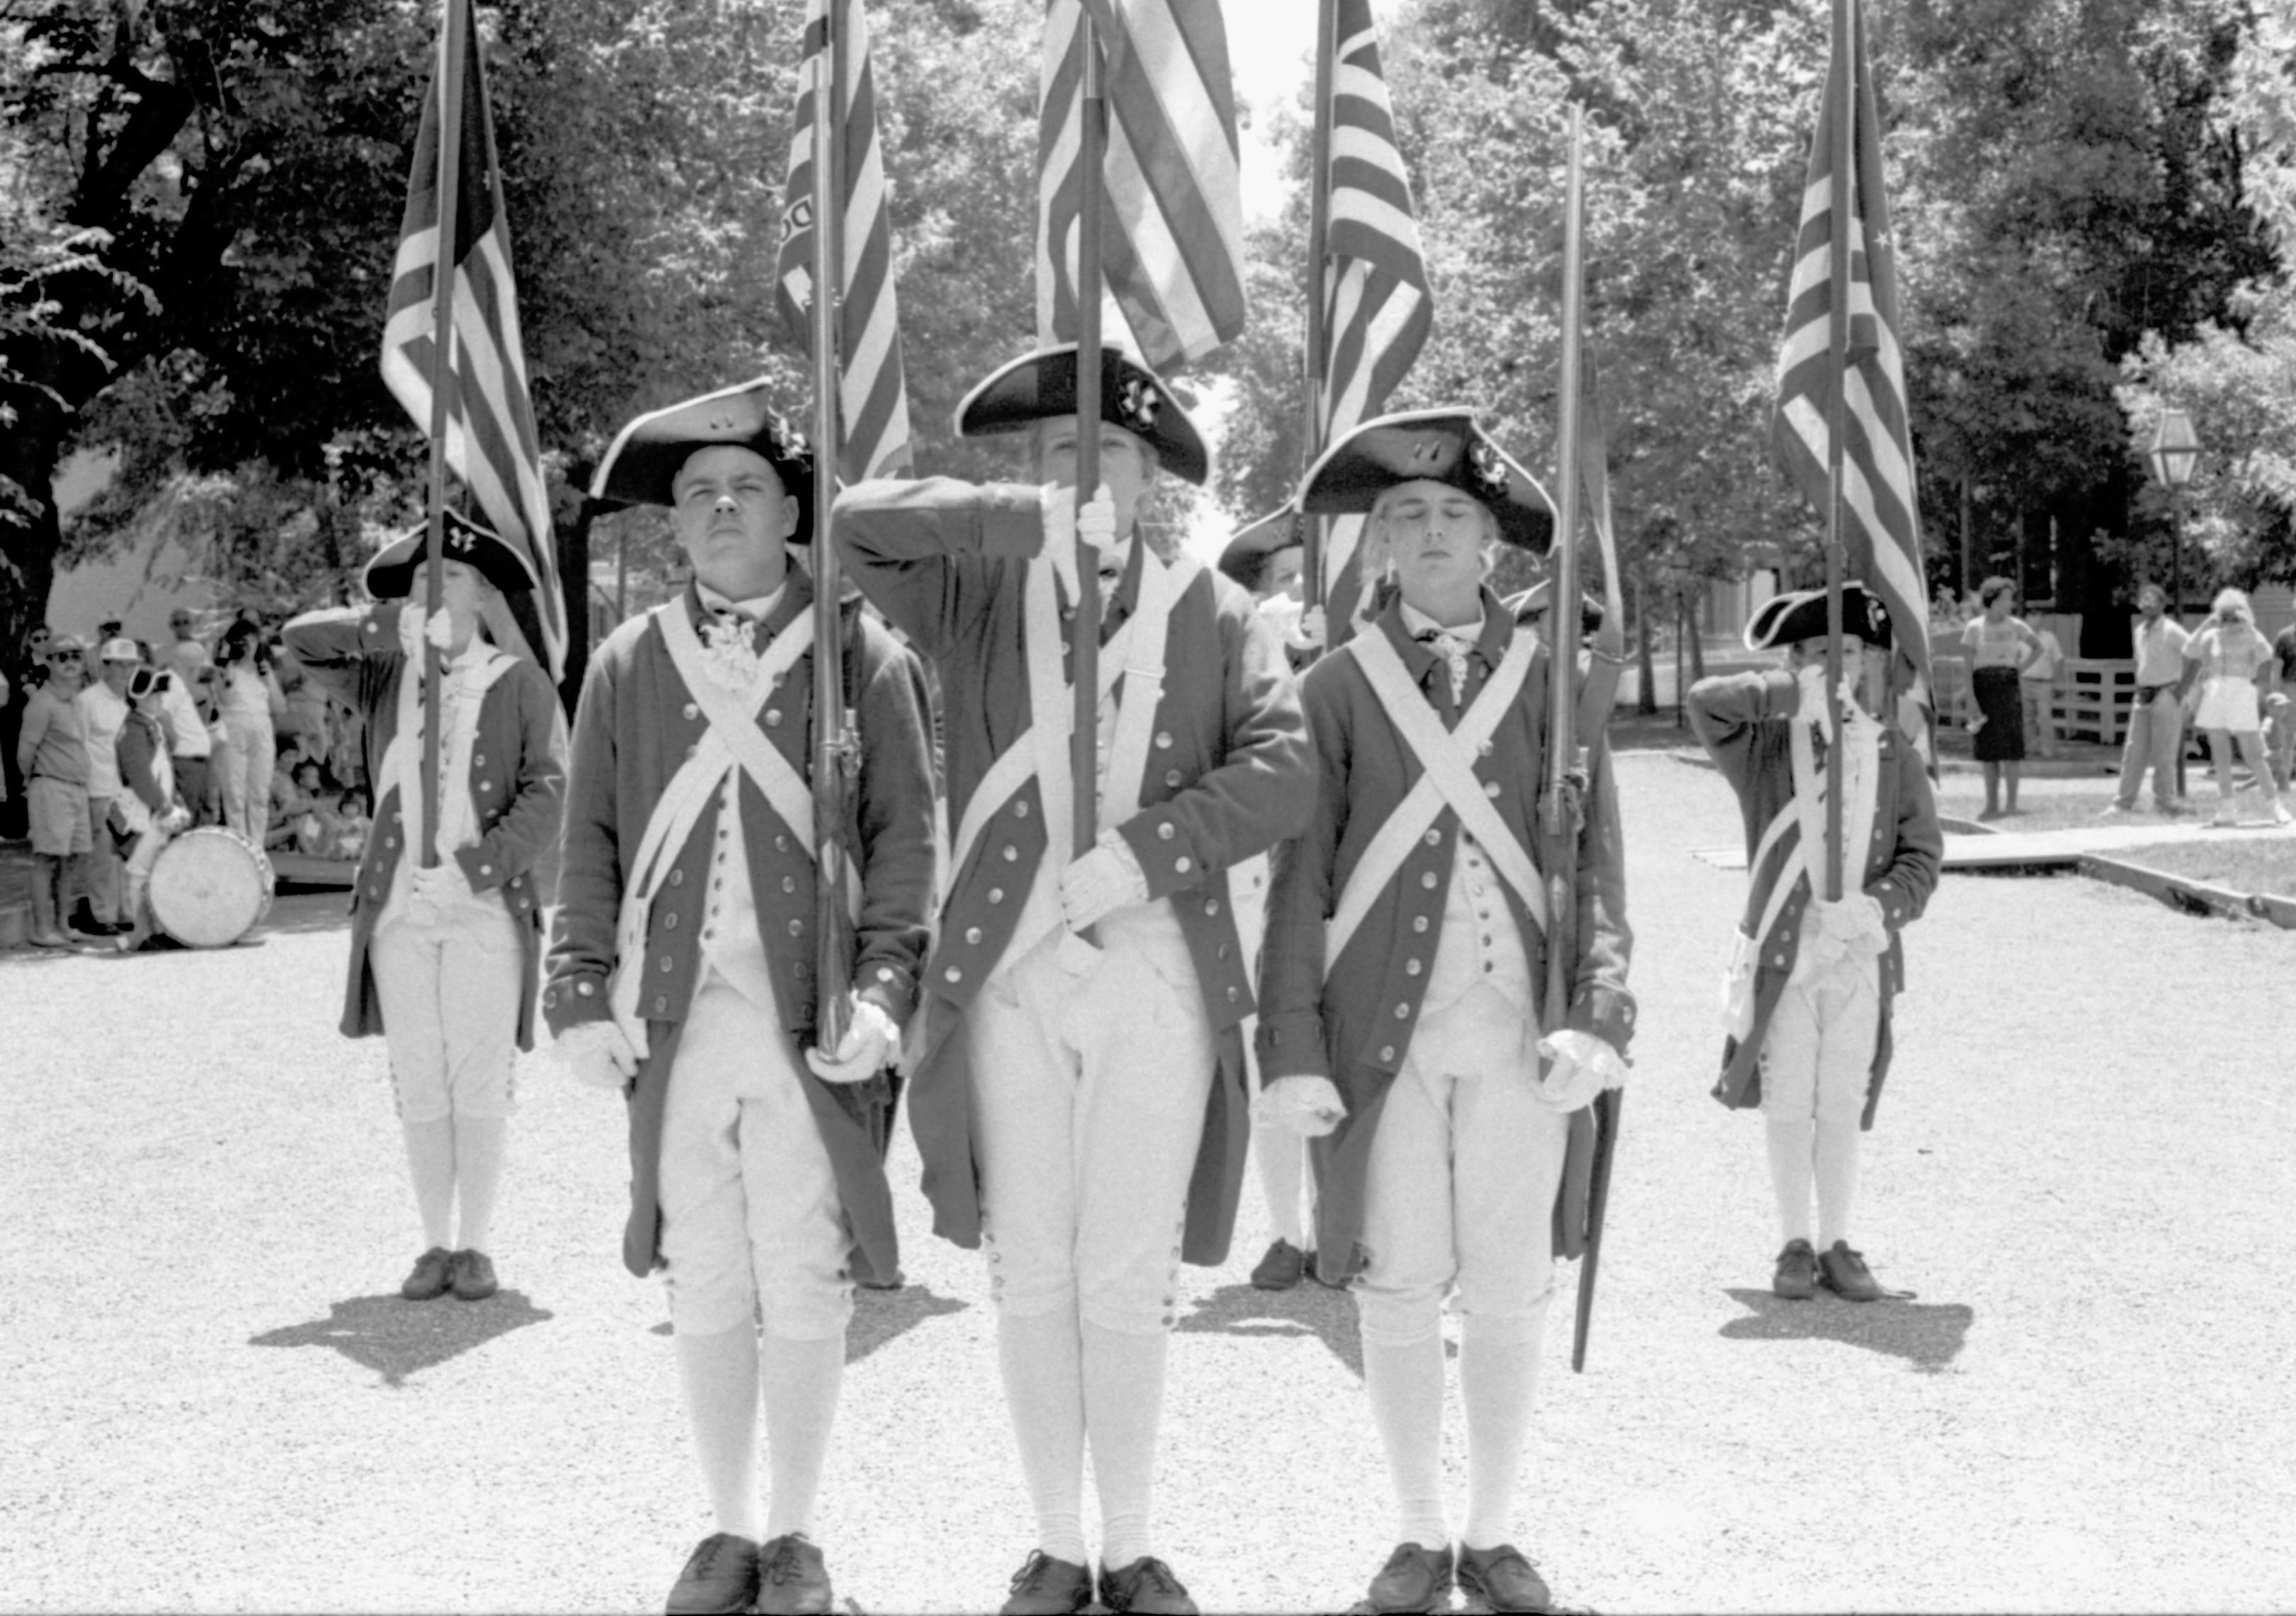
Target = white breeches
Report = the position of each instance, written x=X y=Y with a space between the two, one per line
x=752 y=1227
x=1462 y=1178
x=450 y=994
x=1818 y=1054
x=1088 y=1096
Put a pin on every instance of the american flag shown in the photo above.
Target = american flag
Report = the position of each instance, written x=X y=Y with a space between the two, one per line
x=1173 y=207
x=873 y=392
x=1377 y=305
x=1881 y=522
x=490 y=438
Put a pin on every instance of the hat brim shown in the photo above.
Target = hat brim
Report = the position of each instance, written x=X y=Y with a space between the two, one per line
x=641 y=466
x=1042 y=386
x=390 y=573
x=1445 y=446
x=1279 y=529
x=1799 y=615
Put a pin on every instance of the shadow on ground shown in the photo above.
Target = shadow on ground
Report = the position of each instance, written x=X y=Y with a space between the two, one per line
x=1307 y=1308
x=881 y=1317
x=397 y=1338
x=1929 y=1335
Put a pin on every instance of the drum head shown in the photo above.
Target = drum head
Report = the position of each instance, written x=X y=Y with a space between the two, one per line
x=209 y=888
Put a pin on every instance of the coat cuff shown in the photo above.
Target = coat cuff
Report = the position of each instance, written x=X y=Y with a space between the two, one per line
x=568 y=1000
x=1169 y=859
x=1011 y=522
x=1896 y=901
x=1607 y=1012
x=1291 y=1045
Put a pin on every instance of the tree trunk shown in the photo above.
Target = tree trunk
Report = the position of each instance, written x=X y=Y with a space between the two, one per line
x=1697 y=639
x=1645 y=664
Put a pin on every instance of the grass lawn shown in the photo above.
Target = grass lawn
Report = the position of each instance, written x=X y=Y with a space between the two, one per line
x=2243 y=865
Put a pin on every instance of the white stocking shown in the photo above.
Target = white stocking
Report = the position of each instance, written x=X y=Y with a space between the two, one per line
x=430 y=1161
x=1405 y=1387
x=1498 y=1380
x=1041 y=1361
x=1790 y=1173
x=801 y=1381
x=1123 y=1401
x=1837 y=1177
x=719 y=1375
x=480 y=1144
x=1283 y=1165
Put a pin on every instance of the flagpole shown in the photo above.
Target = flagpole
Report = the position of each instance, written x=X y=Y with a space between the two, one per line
x=833 y=745
x=1084 y=748
x=442 y=369
x=1841 y=132
x=1319 y=252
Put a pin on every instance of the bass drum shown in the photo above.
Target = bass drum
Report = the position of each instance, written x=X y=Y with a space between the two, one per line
x=210 y=888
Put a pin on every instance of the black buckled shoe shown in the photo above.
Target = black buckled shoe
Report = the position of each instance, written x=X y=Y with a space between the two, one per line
x=1501 y=1579
x=720 y=1577
x=474 y=1276
x=433 y=1272
x=1846 y=1275
x=1046 y=1587
x=1413 y=1579
x=792 y=1579
x=1796 y=1278
x=1284 y=1266
x=1147 y=1587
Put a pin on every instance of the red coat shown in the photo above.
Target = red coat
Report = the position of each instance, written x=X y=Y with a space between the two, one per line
x=518 y=773
x=635 y=726
x=1229 y=775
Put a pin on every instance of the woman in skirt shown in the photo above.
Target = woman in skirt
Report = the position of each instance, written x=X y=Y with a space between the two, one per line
x=444 y=958
x=1999 y=647
x=2231 y=653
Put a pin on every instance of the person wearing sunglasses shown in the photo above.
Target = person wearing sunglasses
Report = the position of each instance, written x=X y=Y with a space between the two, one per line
x=51 y=754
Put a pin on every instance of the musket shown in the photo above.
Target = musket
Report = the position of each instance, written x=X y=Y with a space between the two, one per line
x=1084 y=740
x=836 y=745
x=1316 y=367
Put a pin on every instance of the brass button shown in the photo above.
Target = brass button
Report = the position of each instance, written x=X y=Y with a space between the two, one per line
x=1165 y=832
x=1411 y=969
x=797 y=928
x=1490 y=788
x=773 y=718
x=662 y=1005
x=780 y=844
x=972 y=934
x=585 y=988
x=1184 y=863
x=669 y=922
x=1387 y=1052
x=1164 y=738
x=678 y=878
x=1011 y=855
x=1212 y=906
x=486 y=869
x=1419 y=924
x=996 y=895
x=1428 y=880
x=1223 y=951
x=1403 y=1013
x=692 y=711
x=1434 y=839
x=1234 y=993
x=1021 y=809
x=953 y=974
x=1172 y=777
x=665 y=964
x=789 y=884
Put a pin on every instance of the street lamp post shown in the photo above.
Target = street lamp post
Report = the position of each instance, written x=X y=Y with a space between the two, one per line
x=2174 y=449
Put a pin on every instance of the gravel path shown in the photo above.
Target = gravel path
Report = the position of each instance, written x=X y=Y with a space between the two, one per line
x=215 y=1402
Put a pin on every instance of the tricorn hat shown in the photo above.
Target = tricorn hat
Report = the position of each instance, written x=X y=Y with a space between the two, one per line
x=1042 y=386
x=1280 y=529
x=1799 y=614
x=390 y=571
x=641 y=467
x=1438 y=444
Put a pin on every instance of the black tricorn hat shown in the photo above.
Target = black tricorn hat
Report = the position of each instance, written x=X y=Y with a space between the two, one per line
x=641 y=467
x=1280 y=529
x=390 y=571
x=1438 y=444
x=1042 y=386
x=1533 y=601
x=1799 y=614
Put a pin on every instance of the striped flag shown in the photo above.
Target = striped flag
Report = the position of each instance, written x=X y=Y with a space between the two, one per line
x=490 y=439
x=1377 y=305
x=1174 y=199
x=1881 y=523
x=874 y=391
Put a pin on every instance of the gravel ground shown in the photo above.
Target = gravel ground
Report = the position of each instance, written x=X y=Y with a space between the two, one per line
x=216 y=1401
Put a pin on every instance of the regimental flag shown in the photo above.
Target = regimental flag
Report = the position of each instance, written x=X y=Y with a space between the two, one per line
x=873 y=392
x=490 y=438
x=1377 y=305
x=1881 y=523
x=1173 y=211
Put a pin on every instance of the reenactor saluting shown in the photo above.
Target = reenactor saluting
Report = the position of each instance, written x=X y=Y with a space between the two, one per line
x=1407 y=944
x=684 y=968
x=1080 y=1109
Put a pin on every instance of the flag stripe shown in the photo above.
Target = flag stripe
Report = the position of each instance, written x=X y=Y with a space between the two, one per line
x=872 y=388
x=491 y=443
x=1880 y=528
x=1377 y=305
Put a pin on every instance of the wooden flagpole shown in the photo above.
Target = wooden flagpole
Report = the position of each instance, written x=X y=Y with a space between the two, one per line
x=1840 y=131
x=1084 y=745
x=452 y=67
x=1319 y=336
x=835 y=761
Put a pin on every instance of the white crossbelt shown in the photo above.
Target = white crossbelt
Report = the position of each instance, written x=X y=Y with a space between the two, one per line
x=402 y=760
x=1447 y=760
x=1134 y=654
x=732 y=741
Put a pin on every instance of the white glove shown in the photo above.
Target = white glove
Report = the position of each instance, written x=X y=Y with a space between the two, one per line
x=442 y=883
x=1309 y=634
x=869 y=1042
x=1580 y=1067
x=1851 y=929
x=1309 y=1106
x=174 y=819
x=1095 y=525
x=599 y=1053
x=414 y=630
x=1102 y=881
